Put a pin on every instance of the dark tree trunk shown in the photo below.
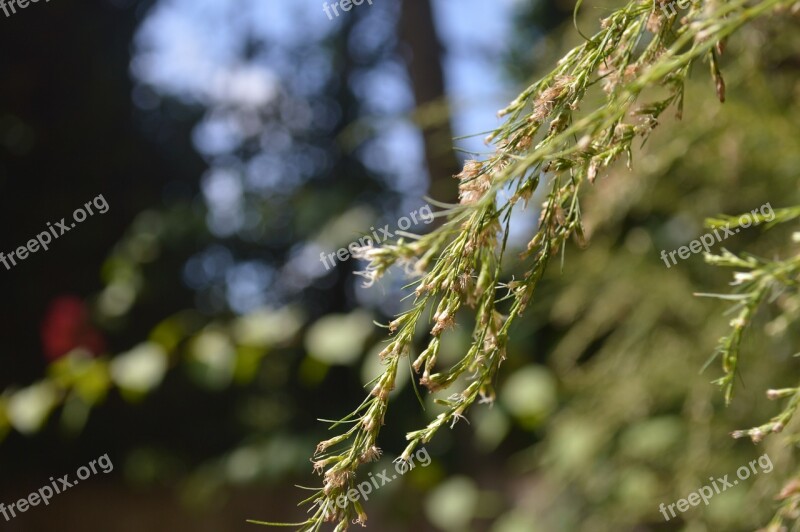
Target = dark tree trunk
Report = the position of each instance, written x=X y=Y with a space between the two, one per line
x=423 y=55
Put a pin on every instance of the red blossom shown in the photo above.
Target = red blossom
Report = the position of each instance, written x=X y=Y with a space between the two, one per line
x=66 y=326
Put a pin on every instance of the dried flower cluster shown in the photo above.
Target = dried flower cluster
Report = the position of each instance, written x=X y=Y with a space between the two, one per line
x=545 y=139
x=757 y=282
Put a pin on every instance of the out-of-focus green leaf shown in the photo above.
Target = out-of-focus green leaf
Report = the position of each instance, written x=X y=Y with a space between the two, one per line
x=139 y=370
x=212 y=359
x=29 y=408
x=530 y=395
x=339 y=338
x=451 y=506
x=264 y=328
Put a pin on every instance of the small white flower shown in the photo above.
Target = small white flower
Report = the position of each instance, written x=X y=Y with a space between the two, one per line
x=368 y=253
x=742 y=277
x=738 y=323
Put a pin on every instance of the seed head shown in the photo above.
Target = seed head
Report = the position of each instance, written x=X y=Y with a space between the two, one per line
x=472 y=169
x=370 y=455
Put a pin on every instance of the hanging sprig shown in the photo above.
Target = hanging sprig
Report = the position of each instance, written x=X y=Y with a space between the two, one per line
x=755 y=281
x=543 y=139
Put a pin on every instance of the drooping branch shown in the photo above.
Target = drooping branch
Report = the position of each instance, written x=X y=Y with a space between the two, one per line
x=545 y=138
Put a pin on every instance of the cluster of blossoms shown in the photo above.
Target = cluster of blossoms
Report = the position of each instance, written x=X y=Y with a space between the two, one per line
x=458 y=265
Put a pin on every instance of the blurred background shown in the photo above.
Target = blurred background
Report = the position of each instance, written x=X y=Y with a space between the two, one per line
x=193 y=334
